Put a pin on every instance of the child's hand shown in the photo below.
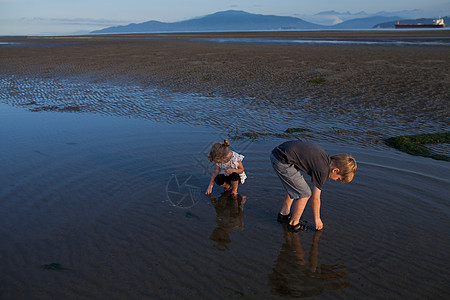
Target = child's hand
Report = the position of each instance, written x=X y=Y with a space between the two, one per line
x=230 y=171
x=209 y=190
x=319 y=224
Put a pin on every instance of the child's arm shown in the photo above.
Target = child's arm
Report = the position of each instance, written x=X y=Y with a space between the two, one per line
x=239 y=170
x=211 y=182
x=315 y=201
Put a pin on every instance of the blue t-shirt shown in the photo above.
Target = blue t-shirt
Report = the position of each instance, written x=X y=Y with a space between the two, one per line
x=306 y=157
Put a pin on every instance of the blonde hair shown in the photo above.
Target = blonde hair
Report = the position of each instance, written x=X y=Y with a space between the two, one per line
x=346 y=165
x=219 y=151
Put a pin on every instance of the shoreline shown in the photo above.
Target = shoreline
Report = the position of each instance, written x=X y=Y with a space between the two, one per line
x=273 y=33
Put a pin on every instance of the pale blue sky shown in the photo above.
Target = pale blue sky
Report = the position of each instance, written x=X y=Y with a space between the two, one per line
x=69 y=16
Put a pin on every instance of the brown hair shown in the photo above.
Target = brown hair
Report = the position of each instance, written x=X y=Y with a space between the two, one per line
x=219 y=151
x=346 y=165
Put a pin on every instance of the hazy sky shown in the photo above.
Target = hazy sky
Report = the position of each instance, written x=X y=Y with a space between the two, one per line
x=70 y=16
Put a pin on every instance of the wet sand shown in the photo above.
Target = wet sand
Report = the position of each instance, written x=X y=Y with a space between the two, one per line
x=410 y=81
x=370 y=93
x=105 y=167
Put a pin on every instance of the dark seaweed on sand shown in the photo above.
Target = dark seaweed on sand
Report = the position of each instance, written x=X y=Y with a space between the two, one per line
x=317 y=80
x=414 y=144
x=288 y=133
x=284 y=135
x=53 y=267
x=296 y=129
x=68 y=108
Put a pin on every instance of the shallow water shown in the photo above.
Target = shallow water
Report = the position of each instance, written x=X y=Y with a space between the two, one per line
x=383 y=41
x=116 y=197
x=360 y=123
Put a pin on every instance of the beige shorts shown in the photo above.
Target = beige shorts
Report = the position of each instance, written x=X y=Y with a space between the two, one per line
x=292 y=179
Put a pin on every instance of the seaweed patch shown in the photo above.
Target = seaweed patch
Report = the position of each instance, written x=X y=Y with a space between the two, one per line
x=53 y=267
x=288 y=133
x=415 y=144
x=318 y=80
x=296 y=129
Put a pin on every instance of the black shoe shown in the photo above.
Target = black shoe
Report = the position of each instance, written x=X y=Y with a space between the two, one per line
x=295 y=228
x=284 y=218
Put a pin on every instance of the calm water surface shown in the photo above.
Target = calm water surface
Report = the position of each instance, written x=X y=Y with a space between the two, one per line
x=370 y=41
x=112 y=205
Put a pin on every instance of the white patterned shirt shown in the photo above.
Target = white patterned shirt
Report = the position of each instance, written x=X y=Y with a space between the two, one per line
x=233 y=163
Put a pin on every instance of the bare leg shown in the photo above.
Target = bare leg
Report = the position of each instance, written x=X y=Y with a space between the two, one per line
x=297 y=210
x=234 y=186
x=226 y=185
x=286 y=209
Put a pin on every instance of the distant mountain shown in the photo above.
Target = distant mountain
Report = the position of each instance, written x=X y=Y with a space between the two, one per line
x=335 y=13
x=391 y=24
x=231 y=20
x=234 y=20
x=364 y=23
x=332 y=17
x=332 y=12
x=410 y=14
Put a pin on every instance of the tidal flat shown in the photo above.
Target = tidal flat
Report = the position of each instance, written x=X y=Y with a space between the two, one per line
x=104 y=167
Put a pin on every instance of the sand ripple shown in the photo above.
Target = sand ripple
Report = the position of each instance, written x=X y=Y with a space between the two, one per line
x=234 y=116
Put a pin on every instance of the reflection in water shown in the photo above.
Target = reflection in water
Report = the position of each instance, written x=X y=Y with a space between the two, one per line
x=399 y=41
x=229 y=213
x=293 y=276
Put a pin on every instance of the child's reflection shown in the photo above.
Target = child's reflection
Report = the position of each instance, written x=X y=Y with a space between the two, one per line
x=295 y=277
x=229 y=212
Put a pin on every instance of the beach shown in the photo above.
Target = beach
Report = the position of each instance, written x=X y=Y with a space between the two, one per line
x=104 y=154
x=361 y=82
x=375 y=76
